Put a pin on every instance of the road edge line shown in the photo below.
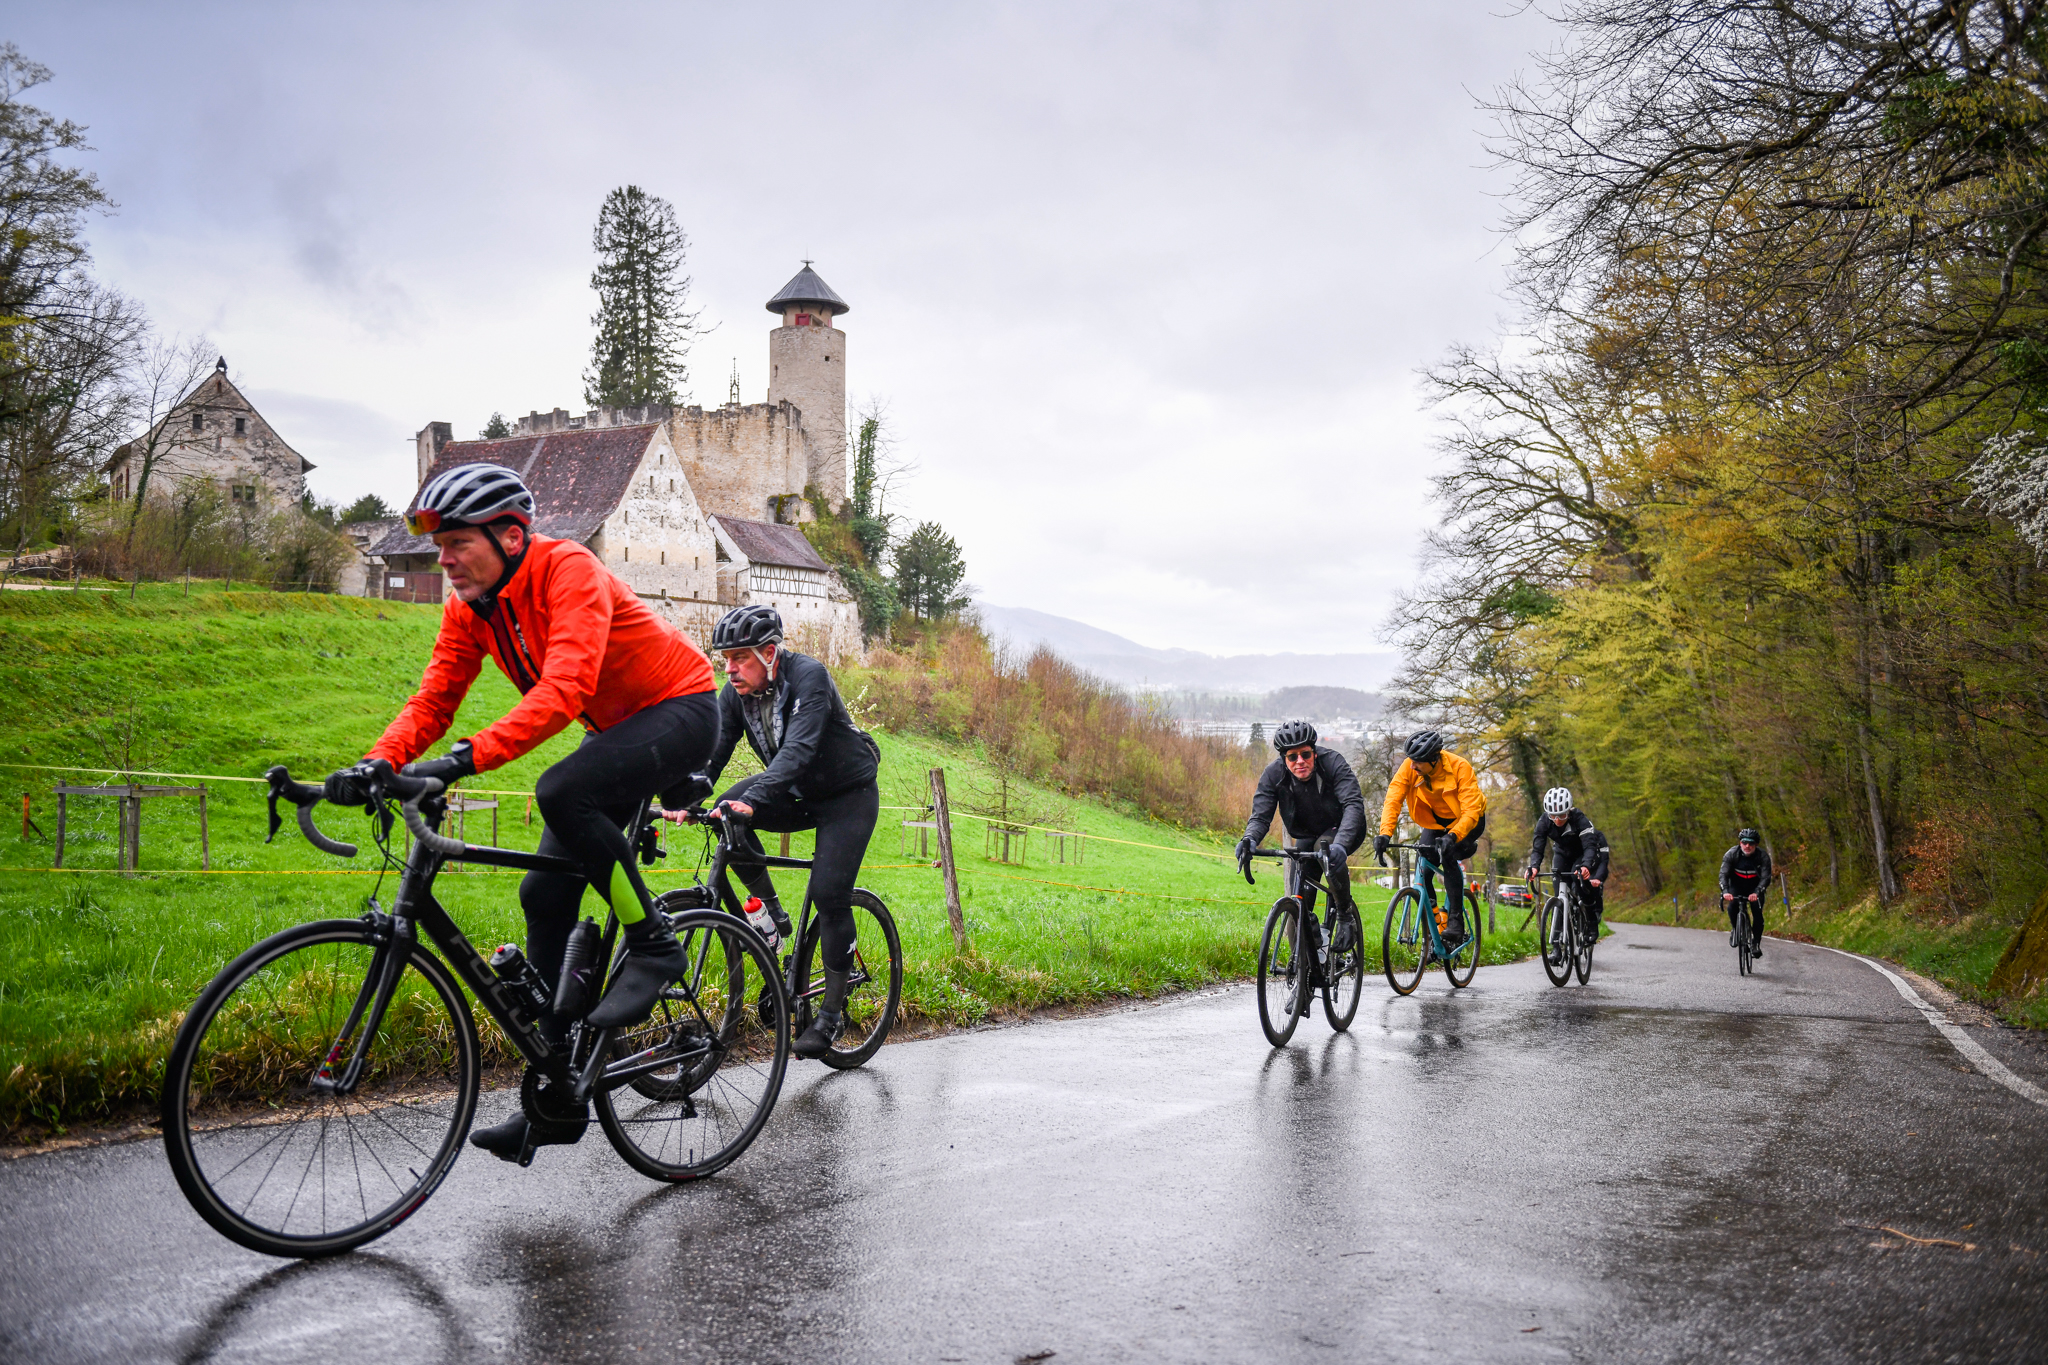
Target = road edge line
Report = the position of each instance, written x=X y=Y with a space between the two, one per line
x=1947 y=1028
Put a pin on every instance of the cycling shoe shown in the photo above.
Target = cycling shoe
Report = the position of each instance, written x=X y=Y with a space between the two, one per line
x=824 y=1031
x=646 y=969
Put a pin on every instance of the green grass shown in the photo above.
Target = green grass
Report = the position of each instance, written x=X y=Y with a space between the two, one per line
x=96 y=969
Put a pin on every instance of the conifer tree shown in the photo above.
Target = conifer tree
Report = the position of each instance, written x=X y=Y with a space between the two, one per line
x=643 y=324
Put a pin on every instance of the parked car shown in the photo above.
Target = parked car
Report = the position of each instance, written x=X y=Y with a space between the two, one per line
x=1515 y=893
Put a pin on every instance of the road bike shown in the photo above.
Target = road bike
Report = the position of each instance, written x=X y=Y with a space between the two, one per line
x=1290 y=975
x=1566 y=933
x=1411 y=939
x=874 y=985
x=1745 y=938
x=321 y=1087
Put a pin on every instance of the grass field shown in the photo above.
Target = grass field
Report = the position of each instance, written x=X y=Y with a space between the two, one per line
x=96 y=969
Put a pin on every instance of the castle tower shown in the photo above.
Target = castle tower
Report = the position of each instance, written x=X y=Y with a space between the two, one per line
x=807 y=367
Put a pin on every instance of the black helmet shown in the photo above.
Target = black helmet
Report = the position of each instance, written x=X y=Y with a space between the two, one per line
x=1747 y=836
x=747 y=628
x=470 y=495
x=1293 y=734
x=1425 y=745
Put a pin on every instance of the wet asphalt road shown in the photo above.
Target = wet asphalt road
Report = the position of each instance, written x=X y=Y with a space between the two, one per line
x=1663 y=1166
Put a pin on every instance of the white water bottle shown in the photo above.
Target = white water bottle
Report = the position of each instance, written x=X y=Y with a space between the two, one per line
x=757 y=916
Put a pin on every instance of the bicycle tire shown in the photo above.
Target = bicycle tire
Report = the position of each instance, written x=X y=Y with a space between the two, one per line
x=871 y=1001
x=688 y=1136
x=1408 y=899
x=1742 y=966
x=238 y=1106
x=1553 y=941
x=1468 y=952
x=1344 y=981
x=673 y=1023
x=1582 y=956
x=1280 y=961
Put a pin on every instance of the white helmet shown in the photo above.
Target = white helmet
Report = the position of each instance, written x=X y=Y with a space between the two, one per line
x=1557 y=801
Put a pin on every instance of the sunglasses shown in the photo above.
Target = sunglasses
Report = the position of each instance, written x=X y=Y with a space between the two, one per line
x=1298 y=755
x=423 y=522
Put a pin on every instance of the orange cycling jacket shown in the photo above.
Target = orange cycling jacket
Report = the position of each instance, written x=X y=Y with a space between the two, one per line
x=570 y=636
x=1448 y=798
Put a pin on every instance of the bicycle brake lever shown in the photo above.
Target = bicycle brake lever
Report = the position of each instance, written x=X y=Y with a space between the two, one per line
x=277 y=776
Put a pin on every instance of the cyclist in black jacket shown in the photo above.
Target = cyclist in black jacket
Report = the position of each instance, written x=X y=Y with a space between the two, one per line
x=1577 y=850
x=820 y=775
x=1318 y=800
x=1745 y=881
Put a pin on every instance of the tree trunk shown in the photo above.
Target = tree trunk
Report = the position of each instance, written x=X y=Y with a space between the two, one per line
x=1887 y=879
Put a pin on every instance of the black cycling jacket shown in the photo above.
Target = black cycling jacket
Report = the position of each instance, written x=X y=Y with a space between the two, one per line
x=1743 y=875
x=800 y=729
x=1329 y=800
x=1576 y=842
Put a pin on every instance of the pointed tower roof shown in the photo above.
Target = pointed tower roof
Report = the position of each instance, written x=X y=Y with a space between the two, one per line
x=808 y=288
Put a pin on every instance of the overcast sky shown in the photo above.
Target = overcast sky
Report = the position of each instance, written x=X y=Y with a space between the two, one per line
x=1143 y=287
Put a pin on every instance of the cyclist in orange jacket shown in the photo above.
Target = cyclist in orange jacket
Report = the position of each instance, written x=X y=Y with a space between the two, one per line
x=581 y=648
x=1442 y=794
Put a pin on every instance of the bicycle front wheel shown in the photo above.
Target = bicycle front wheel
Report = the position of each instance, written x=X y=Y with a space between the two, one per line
x=1460 y=965
x=256 y=1134
x=1582 y=960
x=1404 y=942
x=1283 y=972
x=874 y=984
x=1554 y=940
x=721 y=1066
x=1344 y=980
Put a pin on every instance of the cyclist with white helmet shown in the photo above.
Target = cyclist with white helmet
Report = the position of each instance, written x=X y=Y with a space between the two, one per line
x=820 y=774
x=581 y=649
x=1577 y=849
x=1317 y=797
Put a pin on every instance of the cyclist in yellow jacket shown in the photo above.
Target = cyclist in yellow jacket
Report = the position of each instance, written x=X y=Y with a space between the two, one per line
x=1443 y=796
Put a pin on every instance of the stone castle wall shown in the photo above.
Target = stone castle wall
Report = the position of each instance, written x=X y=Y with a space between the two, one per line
x=807 y=369
x=746 y=461
x=658 y=539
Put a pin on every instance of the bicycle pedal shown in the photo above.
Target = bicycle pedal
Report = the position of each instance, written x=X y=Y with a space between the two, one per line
x=526 y=1150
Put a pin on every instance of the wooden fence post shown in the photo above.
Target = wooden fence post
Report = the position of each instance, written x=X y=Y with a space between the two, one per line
x=943 y=818
x=60 y=829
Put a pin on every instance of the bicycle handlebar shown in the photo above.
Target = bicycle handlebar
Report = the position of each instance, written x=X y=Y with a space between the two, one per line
x=1298 y=854
x=305 y=798
x=384 y=782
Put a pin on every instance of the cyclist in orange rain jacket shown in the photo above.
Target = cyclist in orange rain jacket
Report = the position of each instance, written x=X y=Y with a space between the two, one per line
x=1442 y=794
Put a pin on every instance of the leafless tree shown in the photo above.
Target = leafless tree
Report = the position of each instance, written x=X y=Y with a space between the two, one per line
x=166 y=374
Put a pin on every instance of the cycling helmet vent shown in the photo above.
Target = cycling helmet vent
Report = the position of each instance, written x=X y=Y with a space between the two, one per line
x=470 y=495
x=1424 y=746
x=1293 y=735
x=747 y=628
x=1557 y=801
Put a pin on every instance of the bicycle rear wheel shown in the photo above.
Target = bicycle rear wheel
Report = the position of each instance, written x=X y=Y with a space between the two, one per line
x=1554 y=942
x=1582 y=958
x=1283 y=972
x=1344 y=978
x=1460 y=965
x=874 y=987
x=1404 y=942
x=279 y=1164
x=722 y=1066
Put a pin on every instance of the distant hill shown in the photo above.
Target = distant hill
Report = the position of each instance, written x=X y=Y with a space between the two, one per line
x=1111 y=656
x=1325 y=703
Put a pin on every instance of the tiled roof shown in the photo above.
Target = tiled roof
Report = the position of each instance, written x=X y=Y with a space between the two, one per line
x=578 y=479
x=764 y=542
x=807 y=288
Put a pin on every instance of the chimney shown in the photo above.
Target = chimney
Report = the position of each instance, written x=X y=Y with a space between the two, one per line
x=432 y=437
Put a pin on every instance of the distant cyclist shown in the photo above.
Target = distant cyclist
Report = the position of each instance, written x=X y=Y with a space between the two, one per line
x=820 y=775
x=1442 y=794
x=581 y=649
x=1746 y=881
x=1578 y=850
x=1319 y=802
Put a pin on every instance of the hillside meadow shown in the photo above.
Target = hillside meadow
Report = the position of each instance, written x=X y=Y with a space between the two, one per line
x=96 y=968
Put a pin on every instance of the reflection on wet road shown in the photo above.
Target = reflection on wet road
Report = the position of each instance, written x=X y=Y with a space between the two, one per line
x=1671 y=1163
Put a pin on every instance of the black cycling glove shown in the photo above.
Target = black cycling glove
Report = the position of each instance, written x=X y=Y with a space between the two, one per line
x=349 y=787
x=1380 y=844
x=452 y=766
x=1244 y=853
x=1333 y=858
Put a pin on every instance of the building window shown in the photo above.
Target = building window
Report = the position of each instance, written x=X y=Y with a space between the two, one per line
x=664 y=556
x=803 y=319
x=198 y=421
x=244 y=492
x=241 y=426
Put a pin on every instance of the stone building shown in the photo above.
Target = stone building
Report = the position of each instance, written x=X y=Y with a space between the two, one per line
x=214 y=433
x=696 y=509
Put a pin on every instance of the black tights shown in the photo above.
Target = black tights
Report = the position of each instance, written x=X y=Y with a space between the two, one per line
x=844 y=823
x=1451 y=853
x=587 y=799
